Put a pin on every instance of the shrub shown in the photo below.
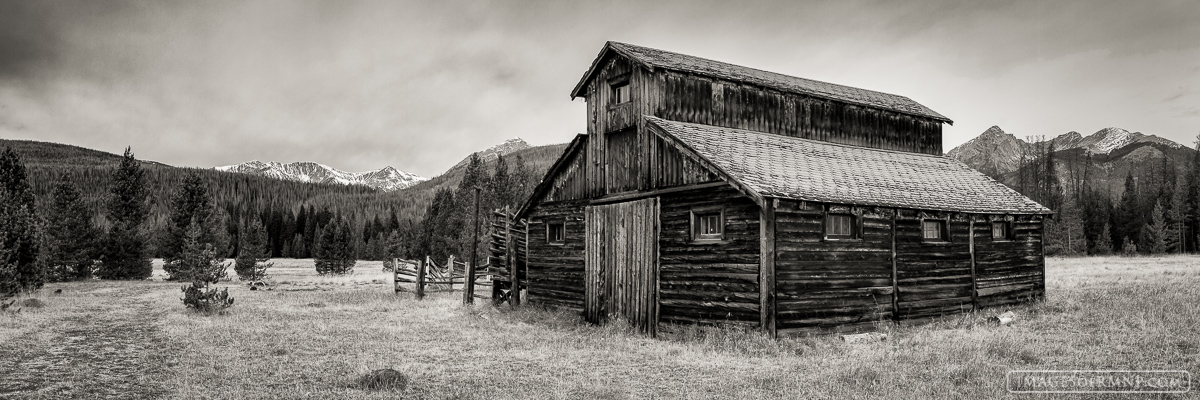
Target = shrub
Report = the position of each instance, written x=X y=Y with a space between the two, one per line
x=202 y=298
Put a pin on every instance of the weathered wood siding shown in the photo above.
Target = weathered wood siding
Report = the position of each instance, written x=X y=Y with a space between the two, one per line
x=1009 y=271
x=624 y=169
x=556 y=270
x=622 y=263
x=709 y=282
x=604 y=118
x=933 y=278
x=571 y=182
x=670 y=168
x=831 y=285
x=690 y=98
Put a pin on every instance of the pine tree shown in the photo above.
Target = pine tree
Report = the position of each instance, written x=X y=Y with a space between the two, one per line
x=1128 y=217
x=199 y=261
x=123 y=254
x=21 y=266
x=1192 y=201
x=1104 y=243
x=191 y=205
x=1153 y=235
x=335 y=253
x=251 y=263
x=501 y=186
x=1175 y=224
x=70 y=236
x=392 y=249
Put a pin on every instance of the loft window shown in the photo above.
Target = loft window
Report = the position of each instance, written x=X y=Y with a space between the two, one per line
x=620 y=89
x=933 y=230
x=1001 y=231
x=708 y=225
x=556 y=232
x=839 y=226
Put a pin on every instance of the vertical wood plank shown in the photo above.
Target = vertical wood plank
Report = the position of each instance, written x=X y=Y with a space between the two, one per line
x=766 y=273
x=895 y=281
x=974 y=275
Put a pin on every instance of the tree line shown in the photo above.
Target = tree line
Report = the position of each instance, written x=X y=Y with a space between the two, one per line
x=1156 y=211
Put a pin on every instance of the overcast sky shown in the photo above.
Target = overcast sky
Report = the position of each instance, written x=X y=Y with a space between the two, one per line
x=420 y=85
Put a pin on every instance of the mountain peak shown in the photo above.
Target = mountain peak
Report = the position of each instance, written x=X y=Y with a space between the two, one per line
x=994 y=130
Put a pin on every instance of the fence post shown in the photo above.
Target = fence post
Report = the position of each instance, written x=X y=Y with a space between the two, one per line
x=510 y=254
x=469 y=276
x=450 y=271
x=497 y=296
x=395 y=277
x=421 y=279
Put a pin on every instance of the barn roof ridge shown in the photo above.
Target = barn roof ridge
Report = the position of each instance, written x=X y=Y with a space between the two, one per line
x=654 y=58
x=776 y=166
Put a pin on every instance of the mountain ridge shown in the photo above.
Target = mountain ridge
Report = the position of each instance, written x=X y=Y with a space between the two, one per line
x=385 y=179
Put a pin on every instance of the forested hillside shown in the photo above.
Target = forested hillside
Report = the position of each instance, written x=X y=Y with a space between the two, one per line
x=1112 y=191
x=291 y=211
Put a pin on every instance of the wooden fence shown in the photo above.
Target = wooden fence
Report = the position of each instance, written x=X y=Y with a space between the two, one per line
x=427 y=276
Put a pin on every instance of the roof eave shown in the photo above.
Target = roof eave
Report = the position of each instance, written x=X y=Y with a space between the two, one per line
x=577 y=92
x=544 y=184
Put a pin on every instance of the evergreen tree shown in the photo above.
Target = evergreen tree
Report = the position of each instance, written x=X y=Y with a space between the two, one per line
x=524 y=181
x=1129 y=221
x=474 y=177
x=1154 y=234
x=1192 y=200
x=501 y=186
x=392 y=249
x=191 y=205
x=199 y=261
x=70 y=236
x=251 y=263
x=21 y=266
x=335 y=251
x=1175 y=224
x=1104 y=243
x=124 y=253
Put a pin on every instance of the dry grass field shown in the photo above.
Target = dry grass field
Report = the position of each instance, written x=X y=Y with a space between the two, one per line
x=311 y=337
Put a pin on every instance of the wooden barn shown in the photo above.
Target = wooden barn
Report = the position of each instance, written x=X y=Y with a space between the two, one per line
x=705 y=192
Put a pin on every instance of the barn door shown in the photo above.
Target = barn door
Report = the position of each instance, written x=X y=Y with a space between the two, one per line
x=622 y=263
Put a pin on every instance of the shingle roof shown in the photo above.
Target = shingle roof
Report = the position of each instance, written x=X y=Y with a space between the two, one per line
x=654 y=58
x=802 y=169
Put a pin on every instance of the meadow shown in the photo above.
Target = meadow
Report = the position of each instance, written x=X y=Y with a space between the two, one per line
x=312 y=336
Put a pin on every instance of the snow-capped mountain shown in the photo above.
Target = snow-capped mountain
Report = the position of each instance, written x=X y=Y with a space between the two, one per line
x=509 y=146
x=386 y=179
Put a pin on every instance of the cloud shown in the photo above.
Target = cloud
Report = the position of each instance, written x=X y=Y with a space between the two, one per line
x=419 y=85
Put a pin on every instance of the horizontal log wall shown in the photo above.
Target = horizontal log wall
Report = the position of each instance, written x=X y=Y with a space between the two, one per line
x=1009 y=271
x=709 y=283
x=844 y=285
x=701 y=100
x=831 y=285
x=933 y=278
x=556 y=271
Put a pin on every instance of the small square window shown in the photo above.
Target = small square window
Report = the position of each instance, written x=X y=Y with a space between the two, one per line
x=708 y=225
x=840 y=226
x=556 y=232
x=1000 y=231
x=620 y=90
x=933 y=230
